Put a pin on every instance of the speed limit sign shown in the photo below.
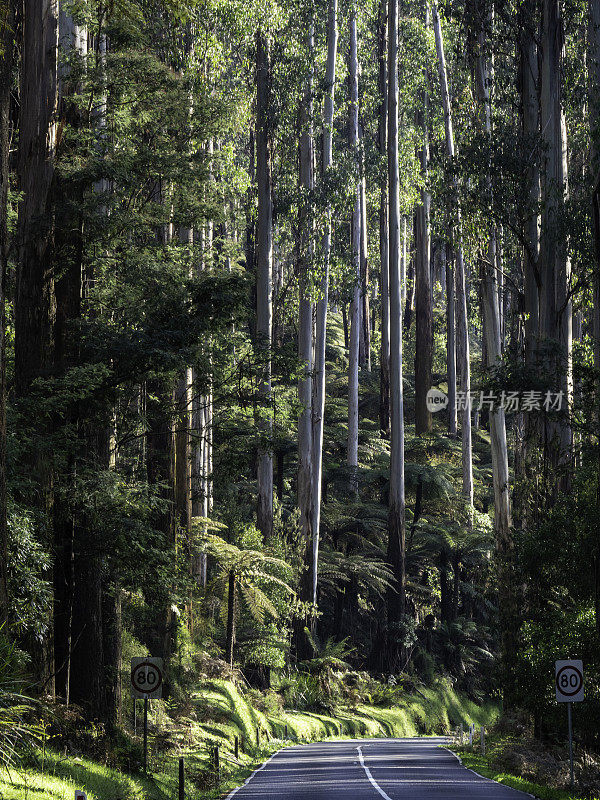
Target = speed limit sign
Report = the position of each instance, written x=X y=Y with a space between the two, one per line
x=569 y=681
x=146 y=677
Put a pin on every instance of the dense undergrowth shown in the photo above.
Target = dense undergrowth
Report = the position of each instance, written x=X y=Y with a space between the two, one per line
x=216 y=714
x=514 y=758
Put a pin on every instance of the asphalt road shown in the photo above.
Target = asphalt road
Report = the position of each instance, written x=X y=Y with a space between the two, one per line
x=370 y=769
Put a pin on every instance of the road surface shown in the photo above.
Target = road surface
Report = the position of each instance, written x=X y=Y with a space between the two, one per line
x=370 y=769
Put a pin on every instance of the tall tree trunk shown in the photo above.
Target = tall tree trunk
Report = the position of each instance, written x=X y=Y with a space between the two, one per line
x=160 y=463
x=34 y=304
x=555 y=267
x=6 y=57
x=355 y=306
x=384 y=381
x=365 y=313
x=34 y=299
x=305 y=353
x=318 y=407
x=423 y=299
x=491 y=323
x=396 y=520
x=529 y=74
x=594 y=82
x=462 y=318
x=529 y=429
x=264 y=282
x=451 y=343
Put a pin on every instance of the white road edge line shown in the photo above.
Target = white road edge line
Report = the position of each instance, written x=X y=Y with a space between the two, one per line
x=459 y=759
x=374 y=783
x=249 y=778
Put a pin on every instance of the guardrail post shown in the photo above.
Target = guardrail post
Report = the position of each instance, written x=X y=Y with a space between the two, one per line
x=181 y=780
x=482 y=740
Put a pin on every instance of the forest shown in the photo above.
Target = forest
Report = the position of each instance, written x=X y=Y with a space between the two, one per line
x=300 y=359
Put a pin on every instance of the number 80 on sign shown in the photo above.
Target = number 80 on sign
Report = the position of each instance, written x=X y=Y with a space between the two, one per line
x=569 y=681
x=146 y=677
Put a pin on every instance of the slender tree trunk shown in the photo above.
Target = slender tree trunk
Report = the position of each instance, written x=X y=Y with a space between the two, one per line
x=462 y=318
x=365 y=313
x=231 y=614
x=423 y=299
x=384 y=397
x=305 y=354
x=396 y=520
x=530 y=126
x=451 y=343
x=264 y=282
x=355 y=307
x=318 y=408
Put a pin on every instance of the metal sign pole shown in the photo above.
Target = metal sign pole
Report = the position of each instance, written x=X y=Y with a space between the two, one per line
x=135 y=716
x=569 y=714
x=145 y=734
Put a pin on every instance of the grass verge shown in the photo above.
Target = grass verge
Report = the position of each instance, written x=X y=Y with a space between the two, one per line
x=483 y=765
x=222 y=713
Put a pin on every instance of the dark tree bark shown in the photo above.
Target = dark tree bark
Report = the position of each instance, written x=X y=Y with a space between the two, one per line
x=160 y=467
x=231 y=613
x=6 y=55
x=34 y=300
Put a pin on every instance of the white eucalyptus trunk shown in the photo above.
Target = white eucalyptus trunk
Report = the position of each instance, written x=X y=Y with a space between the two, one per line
x=318 y=408
x=384 y=401
x=462 y=319
x=492 y=325
x=264 y=285
x=305 y=331
x=396 y=519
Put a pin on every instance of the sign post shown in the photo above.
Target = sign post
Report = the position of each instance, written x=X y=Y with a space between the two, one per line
x=146 y=682
x=568 y=679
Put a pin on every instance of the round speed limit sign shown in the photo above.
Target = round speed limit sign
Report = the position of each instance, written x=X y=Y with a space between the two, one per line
x=146 y=677
x=569 y=681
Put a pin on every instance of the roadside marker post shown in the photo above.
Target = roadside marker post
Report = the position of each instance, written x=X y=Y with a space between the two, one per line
x=568 y=680
x=482 y=740
x=146 y=683
x=181 y=779
x=145 y=734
